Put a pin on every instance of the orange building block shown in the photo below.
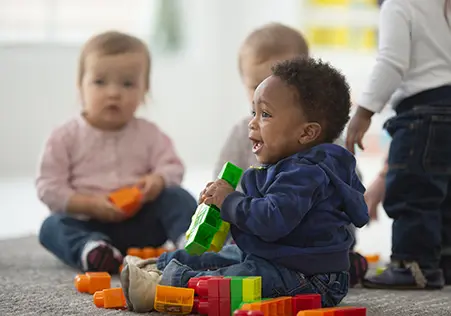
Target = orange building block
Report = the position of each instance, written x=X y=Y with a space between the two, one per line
x=335 y=311
x=110 y=298
x=127 y=199
x=146 y=252
x=90 y=282
x=372 y=258
x=174 y=300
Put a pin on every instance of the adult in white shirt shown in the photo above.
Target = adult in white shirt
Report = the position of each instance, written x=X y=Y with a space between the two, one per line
x=413 y=74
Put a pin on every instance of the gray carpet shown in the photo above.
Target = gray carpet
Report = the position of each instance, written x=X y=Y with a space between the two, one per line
x=32 y=282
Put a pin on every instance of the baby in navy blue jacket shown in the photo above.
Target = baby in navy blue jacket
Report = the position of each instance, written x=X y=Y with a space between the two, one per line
x=290 y=222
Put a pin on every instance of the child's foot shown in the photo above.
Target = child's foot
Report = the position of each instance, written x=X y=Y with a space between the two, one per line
x=445 y=265
x=147 y=265
x=358 y=269
x=139 y=282
x=97 y=255
x=406 y=276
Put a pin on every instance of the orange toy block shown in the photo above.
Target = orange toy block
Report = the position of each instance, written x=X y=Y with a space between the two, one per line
x=146 y=252
x=372 y=258
x=127 y=199
x=335 y=311
x=280 y=306
x=110 y=298
x=149 y=252
x=91 y=282
x=136 y=252
x=174 y=300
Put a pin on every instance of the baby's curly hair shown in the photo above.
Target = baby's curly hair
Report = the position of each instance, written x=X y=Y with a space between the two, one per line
x=322 y=90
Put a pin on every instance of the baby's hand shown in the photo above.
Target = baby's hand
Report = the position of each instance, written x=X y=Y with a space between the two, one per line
x=105 y=211
x=217 y=192
x=202 y=195
x=151 y=186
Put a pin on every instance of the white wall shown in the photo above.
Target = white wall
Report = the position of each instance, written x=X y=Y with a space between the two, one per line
x=196 y=96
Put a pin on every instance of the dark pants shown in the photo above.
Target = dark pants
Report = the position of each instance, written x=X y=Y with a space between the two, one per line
x=418 y=183
x=178 y=267
x=167 y=218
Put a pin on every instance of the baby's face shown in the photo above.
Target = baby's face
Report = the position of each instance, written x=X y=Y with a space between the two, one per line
x=112 y=88
x=278 y=122
x=253 y=72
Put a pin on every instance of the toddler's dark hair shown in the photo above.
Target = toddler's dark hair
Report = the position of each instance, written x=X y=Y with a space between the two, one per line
x=322 y=90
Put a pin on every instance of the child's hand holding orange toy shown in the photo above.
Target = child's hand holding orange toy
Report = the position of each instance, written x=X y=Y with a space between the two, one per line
x=151 y=186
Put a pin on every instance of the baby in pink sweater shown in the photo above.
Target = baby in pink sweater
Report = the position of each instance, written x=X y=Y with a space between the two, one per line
x=106 y=148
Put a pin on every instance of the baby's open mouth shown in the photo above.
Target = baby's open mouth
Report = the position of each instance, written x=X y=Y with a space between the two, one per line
x=256 y=145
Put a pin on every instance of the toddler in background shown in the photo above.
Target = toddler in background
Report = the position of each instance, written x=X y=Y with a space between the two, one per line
x=290 y=222
x=104 y=149
x=261 y=49
x=412 y=72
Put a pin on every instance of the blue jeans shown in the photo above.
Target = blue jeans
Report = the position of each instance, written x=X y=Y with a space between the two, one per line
x=418 y=183
x=178 y=267
x=168 y=217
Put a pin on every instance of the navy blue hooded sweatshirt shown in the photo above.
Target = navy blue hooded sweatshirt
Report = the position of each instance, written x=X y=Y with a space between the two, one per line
x=295 y=213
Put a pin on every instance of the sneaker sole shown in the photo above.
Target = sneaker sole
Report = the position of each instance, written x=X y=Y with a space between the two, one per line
x=399 y=287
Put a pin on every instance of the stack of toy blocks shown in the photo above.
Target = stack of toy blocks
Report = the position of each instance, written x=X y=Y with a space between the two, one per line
x=221 y=296
x=207 y=230
x=299 y=305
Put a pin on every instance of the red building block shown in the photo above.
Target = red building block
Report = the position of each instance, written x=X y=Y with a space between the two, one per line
x=304 y=302
x=213 y=295
x=351 y=311
x=200 y=285
x=224 y=296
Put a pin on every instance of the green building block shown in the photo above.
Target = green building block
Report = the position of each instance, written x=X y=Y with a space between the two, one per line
x=206 y=225
x=202 y=236
x=236 y=292
x=231 y=174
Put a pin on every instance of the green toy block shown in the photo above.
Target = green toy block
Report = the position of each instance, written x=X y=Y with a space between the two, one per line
x=200 y=237
x=236 y=292
x=231 y=174
x=206 y=224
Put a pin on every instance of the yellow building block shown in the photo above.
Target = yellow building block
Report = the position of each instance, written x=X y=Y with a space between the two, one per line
x=220 y=237
x=174 y=300
x=252 y=289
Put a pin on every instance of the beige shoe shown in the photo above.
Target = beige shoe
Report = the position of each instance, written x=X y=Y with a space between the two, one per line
x=145 y=264
x=139 y=283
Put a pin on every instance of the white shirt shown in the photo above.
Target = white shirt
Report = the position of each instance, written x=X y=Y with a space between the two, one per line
x=414 y=52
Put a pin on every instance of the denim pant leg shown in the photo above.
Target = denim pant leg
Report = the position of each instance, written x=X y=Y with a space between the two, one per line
x=168 y=217
x=228 y=255
x=175 y=207
x=446 y=224
x=417 y=183
x=276 y=280
x=65 y=237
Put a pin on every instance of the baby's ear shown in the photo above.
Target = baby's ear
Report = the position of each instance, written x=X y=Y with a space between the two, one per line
x=309 y=133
